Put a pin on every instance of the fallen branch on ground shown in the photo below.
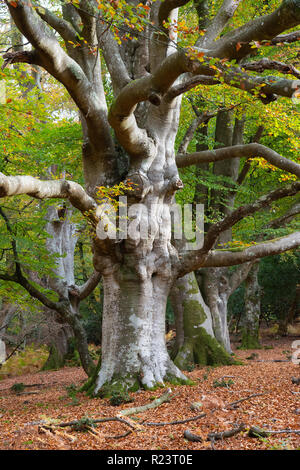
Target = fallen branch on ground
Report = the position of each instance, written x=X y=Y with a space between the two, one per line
x=89 y=423
x=140 y=409
x=255 y=431
x=192 y=437
x=214 y=436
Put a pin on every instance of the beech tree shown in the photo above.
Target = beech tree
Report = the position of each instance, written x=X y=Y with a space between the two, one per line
x=133 y=142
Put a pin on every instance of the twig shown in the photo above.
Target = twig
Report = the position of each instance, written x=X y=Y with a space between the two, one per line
x=195 y=418
x=227 y=377
x=255 y=431
x=119 y=436
x=234 y=403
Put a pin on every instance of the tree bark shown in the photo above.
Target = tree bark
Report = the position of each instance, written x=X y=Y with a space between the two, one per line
x=250 y=319
x=62 y=241
x=195 y=339
x=61 y=346
x=133 y=333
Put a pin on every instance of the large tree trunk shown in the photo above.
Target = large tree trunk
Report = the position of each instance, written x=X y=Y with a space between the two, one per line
x=133 y=332
x=195 y=339
x=139 y=270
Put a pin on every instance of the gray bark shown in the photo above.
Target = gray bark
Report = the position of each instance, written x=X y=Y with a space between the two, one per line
x=250 y=319
x=61 y=242
x=6 y=314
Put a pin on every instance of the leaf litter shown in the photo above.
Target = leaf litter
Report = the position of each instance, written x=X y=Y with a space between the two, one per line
x=258 y=395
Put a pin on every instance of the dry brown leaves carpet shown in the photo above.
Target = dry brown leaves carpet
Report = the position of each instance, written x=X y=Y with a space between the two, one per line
x=278 y=409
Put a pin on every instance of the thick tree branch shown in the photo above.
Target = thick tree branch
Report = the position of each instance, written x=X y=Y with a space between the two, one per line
x=86 y=10
x=166 y=7
x=164 y=12
x=268 y=64
x=284 y=39
x=45 y=189
x=239 y=151
x=265 y=88
x=26 y=57
x=261 y=250
x=246 y=210
x=237 y=44
x=114 y=62
x=219 y=22
x=190 y=261
x=190 y=83
x=61 y=66
x=63 y=27
x=238 y=276
x=87 y=288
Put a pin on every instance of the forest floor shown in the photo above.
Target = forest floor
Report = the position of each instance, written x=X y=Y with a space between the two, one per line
x=24 y=417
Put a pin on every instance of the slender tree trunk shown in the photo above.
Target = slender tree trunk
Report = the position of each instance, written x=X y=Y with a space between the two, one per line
x=60 y=346
x=250 y=320
x=291 y=315
x=6 y=314
x=62 y=241
x=195 y=340
x=216 y=291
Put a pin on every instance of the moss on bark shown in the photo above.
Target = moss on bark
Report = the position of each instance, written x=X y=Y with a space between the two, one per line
x=55 y=360
x=118 y=387
x=201 y=349
x=89 y=385
x=250 y=340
